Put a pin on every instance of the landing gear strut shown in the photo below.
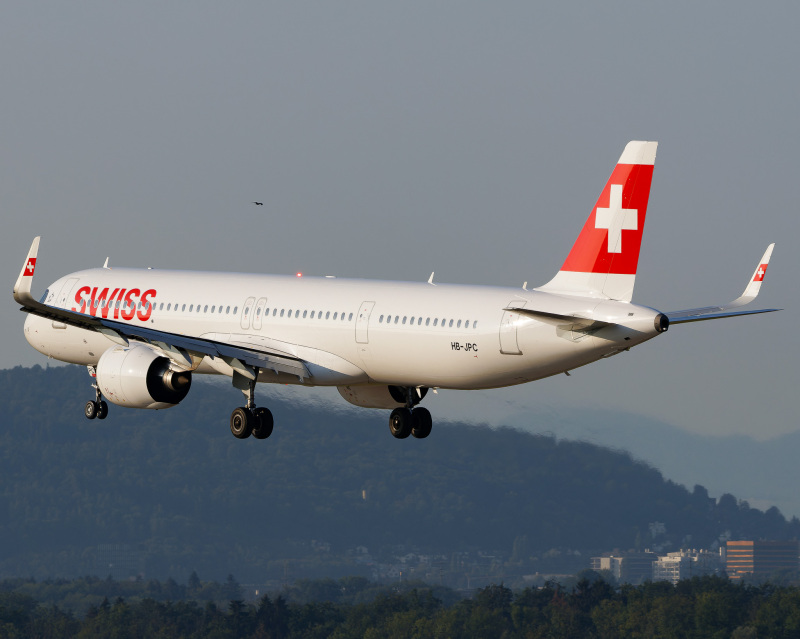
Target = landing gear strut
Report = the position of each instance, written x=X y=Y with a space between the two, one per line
x=411 y=419
x=97 y=407
x=249 y=420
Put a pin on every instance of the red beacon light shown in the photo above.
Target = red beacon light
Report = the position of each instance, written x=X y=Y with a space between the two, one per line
x=299 y=274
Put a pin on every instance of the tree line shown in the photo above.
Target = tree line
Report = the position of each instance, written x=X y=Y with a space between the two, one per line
x=700 y=607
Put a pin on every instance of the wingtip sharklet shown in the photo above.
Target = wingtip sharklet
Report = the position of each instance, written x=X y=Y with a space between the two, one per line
x=22 y=287
x=715 y=312
x=754 y=285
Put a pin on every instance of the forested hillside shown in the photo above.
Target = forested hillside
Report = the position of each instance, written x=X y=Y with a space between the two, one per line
x=179 y=488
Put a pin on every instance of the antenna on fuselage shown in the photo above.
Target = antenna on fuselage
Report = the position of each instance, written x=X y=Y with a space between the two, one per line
x=106 y=264
x=430 y=279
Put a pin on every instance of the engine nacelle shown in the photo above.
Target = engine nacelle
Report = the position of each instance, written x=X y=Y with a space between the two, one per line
x=139 y=377
x=374 y=396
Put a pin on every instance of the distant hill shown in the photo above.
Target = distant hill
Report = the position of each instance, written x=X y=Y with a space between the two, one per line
x=178 y=488
x=765 y=473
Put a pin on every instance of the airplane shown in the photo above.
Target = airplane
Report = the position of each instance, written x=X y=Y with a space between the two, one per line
x=144 y=333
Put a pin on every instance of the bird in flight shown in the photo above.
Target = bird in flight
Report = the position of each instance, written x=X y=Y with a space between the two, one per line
x=258 y=203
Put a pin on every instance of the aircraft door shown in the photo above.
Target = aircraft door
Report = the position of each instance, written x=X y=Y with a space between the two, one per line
x=258 y=312
x=508 y=329
x=63 y=295
x=246 y=309
x=362 y=322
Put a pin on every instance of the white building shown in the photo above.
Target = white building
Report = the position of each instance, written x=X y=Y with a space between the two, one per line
x=684 y=565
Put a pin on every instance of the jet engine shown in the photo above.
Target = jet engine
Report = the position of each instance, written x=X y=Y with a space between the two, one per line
x=380 y=396
x=137 y=376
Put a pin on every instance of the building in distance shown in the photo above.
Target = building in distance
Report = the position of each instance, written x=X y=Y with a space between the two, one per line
x=760 y=558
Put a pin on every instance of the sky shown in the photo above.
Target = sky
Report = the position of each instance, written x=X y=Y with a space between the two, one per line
x=390 y=140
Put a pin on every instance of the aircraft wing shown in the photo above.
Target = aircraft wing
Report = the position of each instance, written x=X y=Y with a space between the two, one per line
x=185 y=350
x=715 y=312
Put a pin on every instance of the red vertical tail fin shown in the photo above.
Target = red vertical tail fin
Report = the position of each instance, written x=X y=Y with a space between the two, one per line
x=603 y=260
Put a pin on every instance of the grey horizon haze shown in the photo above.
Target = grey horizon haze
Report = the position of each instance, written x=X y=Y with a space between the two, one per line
x=389 y=140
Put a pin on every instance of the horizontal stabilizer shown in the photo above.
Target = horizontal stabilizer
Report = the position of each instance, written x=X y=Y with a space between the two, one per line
x=556 y=319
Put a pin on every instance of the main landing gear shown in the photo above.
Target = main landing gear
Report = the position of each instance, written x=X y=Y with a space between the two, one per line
x=410 y=419
x=97 y=408
x=249 y=420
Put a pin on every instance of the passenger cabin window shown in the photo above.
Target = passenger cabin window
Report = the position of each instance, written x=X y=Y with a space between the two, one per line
x=350 y=317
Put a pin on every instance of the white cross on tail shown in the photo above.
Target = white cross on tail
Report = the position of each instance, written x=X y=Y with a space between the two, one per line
x=616 y=219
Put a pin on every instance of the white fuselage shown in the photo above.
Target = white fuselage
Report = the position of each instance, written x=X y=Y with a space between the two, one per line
x=349 y=332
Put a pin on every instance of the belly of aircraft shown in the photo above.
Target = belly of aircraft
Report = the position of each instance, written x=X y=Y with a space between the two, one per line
x=474 y=361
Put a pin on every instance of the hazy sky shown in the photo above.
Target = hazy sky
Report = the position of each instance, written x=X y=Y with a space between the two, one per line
x=389 y=140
